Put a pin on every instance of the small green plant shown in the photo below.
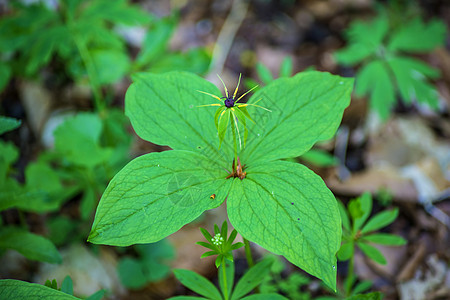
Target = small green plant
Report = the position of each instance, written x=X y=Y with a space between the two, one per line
x=149 y=266
x=383 y=48
x=282 y=206
x=291 y=286
x=360 y=232
x=17 y=290
x=42 y=192
x=77 y=35
x=222 y=245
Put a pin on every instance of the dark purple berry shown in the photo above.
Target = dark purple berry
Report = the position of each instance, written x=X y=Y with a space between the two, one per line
x=229 y=102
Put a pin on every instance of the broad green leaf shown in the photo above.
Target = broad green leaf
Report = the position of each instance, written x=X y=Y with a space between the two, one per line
x=265 y=297
x=30 y=245
x=372 y=252
x=67 y=286
x=230 y=276
x=197 y=283
x=163 y=109
x=8 y=124
x=287 y=209
x=18 y=290
x=252 y=278
x=78 y=140
x=155 y=195
x=385 y=239
x=375 y=79
x=305 y=108
x=411 y=76
x=264 y=73
x=110 y=65
x=380 y=220
x=416 y=36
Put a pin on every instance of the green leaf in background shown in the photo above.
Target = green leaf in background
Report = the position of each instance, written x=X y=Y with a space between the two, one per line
x=67 y=286
x=5 y=75
x=346 y=251
x=265 y=297
x=131 y=273
x=287 y=209
x=110 y=65
x=252 y=278
x=308 y=106
x=375 y=79
x=18 y=290
x=264 y=73
x=155 y=195
x=369 y=296
x=365 y=205
x=197 y=283
x=30 y=245
x=118 y=11
x=319 y=158
x=385 y=239
x=77 y=139
x=97 y=295
x=8 y=124
x=134 y=273
x=380 y=220
x=363 y=44
x=362 y=287
x=155 y=42
x=286 y=67
x=372 y=253
x=411 y=76
x=194 y=60
x=416 y=36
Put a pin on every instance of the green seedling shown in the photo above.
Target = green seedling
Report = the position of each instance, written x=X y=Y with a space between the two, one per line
x=149 y=266
x=383 y=50
x=222 y=245
x=359 y=231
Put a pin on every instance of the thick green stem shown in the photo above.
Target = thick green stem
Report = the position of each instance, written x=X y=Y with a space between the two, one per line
x=225 y=285
x=248 y=253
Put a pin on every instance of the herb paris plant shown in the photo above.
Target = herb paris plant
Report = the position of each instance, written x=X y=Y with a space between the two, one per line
x=282 y=206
